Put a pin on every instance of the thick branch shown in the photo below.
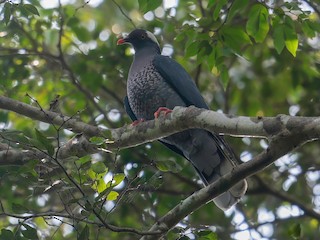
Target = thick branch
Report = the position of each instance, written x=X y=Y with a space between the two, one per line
x=180 y=119
x=18 y=157
x=279 y=146
x=48 y=116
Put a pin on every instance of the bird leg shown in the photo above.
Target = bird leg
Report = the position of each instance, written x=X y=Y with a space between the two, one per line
x=162 y=109
x=136 y=122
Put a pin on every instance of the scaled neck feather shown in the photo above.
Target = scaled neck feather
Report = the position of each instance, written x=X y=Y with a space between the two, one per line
x=144 y=56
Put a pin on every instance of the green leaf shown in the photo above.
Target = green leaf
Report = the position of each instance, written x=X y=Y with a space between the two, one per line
x=88 y=206
x=6 y=234
x=234 y=38
x=7 y=12
x=73 y=22
x=85 y=213
x=207 y=235
x=32 y=9
x=18 y=208
x=113 y=195
x=98 y=167
x=192 y=49
x=205 y=22
x=83 y=160
x=224 y=76
x=217 y=9
x=168 y=165
x=295 y=231
x=215 y=55
x=162 y=166
x=258 y=24
x=205 y=47
x=156 y=180
x=91 y=174
x=236 y=7
x=147 y=5
x=97 y=140
x=278 y=38
x=118 y=178
x=211 y=59
x=291 y=40
x=44 y=141
x=180 y=36
x=307 y=29
x=30 y=232
x=211 y=3
x=82 y=33
x=205 y=50
x=15 y=136
x=314 y=25
x=4 y=116
x=100 y=186
x=84 y=235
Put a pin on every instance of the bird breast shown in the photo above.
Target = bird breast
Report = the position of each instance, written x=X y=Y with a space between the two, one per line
x=147 y=90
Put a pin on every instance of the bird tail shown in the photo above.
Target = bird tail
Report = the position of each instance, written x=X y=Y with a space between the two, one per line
x=235 y=193
x=227 y=163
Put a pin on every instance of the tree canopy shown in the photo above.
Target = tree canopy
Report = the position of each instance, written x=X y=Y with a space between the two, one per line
x=72 y=166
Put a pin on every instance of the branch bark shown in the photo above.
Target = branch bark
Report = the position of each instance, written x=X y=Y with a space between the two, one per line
x=180 y=119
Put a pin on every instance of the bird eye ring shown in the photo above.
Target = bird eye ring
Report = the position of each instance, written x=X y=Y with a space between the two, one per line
x=143 y=36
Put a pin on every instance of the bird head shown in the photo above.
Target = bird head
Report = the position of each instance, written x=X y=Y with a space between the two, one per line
x=139 y=39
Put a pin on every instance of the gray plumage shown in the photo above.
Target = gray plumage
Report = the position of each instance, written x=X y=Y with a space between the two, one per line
x=157 y=81
x=147 y=91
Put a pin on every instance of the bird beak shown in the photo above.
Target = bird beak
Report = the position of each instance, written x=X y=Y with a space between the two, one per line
x=121 y=41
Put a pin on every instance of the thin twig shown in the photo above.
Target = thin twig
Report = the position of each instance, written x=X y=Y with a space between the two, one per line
x=124 y=14
x=288 y=198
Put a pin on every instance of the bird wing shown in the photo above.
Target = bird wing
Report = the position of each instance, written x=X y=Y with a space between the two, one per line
x=128 y=109
x=182 y=83
x=177 y=77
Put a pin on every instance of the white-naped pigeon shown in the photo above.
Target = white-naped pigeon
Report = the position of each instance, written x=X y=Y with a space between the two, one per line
x=156 y=81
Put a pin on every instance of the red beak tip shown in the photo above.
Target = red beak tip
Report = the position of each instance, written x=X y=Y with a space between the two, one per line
x=120 y=41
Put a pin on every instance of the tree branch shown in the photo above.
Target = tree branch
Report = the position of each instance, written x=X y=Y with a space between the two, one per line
x=74 y=218
x=288 y=198
x=48 y=117
x=180 y=119
x=279 y=146
x=18 y=157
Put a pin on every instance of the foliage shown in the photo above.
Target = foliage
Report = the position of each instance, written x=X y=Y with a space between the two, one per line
x=254 y=58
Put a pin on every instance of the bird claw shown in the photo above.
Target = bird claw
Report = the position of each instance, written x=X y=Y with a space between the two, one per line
x=136 y=122
x=162 y=109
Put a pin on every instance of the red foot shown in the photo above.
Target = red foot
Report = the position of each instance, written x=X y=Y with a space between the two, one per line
x=136 y=122
x=162 y=109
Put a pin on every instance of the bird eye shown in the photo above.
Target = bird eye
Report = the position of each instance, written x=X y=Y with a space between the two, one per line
x=143 y=36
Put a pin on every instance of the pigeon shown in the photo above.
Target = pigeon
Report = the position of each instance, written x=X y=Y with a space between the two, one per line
x=156 y=84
